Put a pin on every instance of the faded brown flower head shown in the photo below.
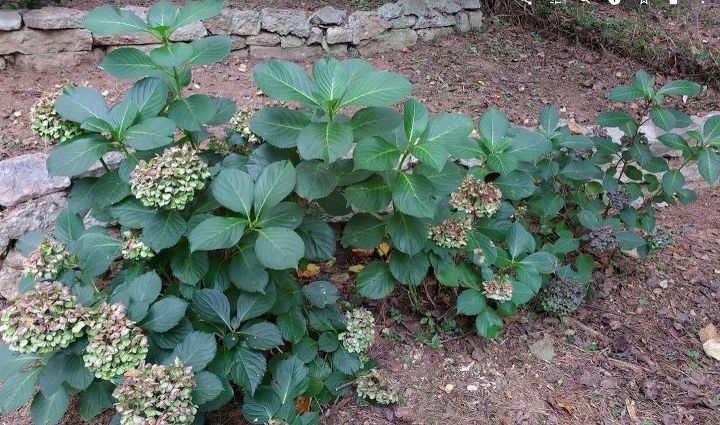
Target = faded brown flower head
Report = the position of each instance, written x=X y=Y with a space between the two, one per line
x=375 y=386
x=476 y=197
x=169 y=180
x=241 y=125
x=451 y=233
x=115 y=343
x=48 y=261
x=47 y=123
x=360 y=332
x=499 y=289
x=135 y=249
x=156 y=395
x=42 y=321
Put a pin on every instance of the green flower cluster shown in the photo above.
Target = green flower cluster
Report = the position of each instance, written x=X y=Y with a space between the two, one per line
x=562 y=297
x=661 y=238
x=359 y=332
x=476 y=197
x=169 y=180
x=156 y=395
x=377 y=387
x=499 y=289
x=48 y=261
x=115 y=344
x=602 y=240
x=451 y=233
x=135 y=249
x=241 y=125
x=47 y=123
x=42 y=321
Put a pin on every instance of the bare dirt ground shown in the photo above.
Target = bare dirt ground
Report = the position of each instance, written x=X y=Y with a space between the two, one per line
x=631 y=355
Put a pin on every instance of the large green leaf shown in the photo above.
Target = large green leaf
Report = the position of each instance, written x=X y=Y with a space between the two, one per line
x=209 y=50
x=370 y=195
x=217 y=233
x=516 y=185
x=274 y=183
x=680 y=88
x=375 y=281
x=197 y=349
x=18 y=388
x=493 y=126
x=447 y=129
x=188 y=267
x=249 y=368
x=549 y=118
x=582 y=170
x=315 y=179
x=415 y=119
x=363 y=231
x=75 y=157
x=96 y=398
x=192 y=112
x=663 y=118
x=527 y=145
x=673 y=181
x=709 y=165
x=330 y=78
x=131 y=213
x=430 y=153
x=284 y=214
x=284 y=81
x=212 y=305
x=321 y=293
x=325 y=140
x=378 y=88
x=488 y=324
x=197 y=11
x=292 y=325
x=319 y=239
x=290 y=379
x=711 y=130
x=233 y=189
x=408 y=233
x=250 y=306
x=374 y=121
x=412 y=195
x=625 y=94
x=128 y=63
x=207 y=387
x=152 y=133
x=163 y=230
x=49 y=409
x=172 y=55
x=164 y=314
x=81 y=103
x=96 y=252
x=278 y=248
x=408 y=270
x=246 y=271
x=518 y=240
x=376 y=154
x=261 y=336
x=261 y=407
x=279 y=126
x=471 y=302
x=544 y=262
x=162 y=14
x=109 y=20
x=150 y=95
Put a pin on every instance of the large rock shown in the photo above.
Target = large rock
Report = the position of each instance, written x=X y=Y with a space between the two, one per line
x=54 y=18
x=389 y=11
x=475 y=19
x=291 y=53
x=337 y=35
x=267 y=39
x=447 y=6
x=35 y=215
x=366 y=25
x=25 y=177
x=129 y=39
x=403 y=22
x=289 y=41
x=328 y=15
x=285 y=21
x=53 y=61
x=231 y=21
x=470 y=4
x=30 y=41
x=10 y=20
x=315 y=37
x=416 y=7
x=436 y=21
x=189 y=32
x=10 y=271
x=391 y=40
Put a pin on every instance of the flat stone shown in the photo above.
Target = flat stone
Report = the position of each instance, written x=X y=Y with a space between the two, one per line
x=389 y=11
x=26 y=177
x=10 y=273
x=475 y=19
x=129 y=39
x=470 y=4
x=232 y=21
x=403 y=22
x=437 y=21
x=328 y=15
x=35 y=215
x=447 y=6
x=240 y=54
x=366 y=25
x=53 y=61
x=337 y=35
x=462 y=22
x=112 y=159
x=416 y=7
x=292 y=53
x=30 y=41
x=315 y=37
x=189 y=32
x=10 y=20
x=291 y=41
x=338 y=50
x=54 y=18
x=433 y=33
x=285 y=21
x=264 y=39
x=237 y=42
x=145 y=48
x=391 y=40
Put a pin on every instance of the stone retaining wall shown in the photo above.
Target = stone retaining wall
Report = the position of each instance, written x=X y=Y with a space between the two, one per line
x=53 y=36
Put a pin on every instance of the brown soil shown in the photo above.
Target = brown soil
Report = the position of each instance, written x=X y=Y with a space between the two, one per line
x=630 y=355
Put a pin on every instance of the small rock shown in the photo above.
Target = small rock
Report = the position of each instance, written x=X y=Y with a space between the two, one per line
x=472 y=388
x=543 y=349
x=10 y=20
x=448 y=388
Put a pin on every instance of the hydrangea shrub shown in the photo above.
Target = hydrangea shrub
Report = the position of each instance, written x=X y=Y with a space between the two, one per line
x=187 y=301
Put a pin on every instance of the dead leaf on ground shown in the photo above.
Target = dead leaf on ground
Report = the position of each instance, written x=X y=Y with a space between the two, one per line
x=383 y=249
x=631 y=410
x=575 y=128
x=357 y=268
x=564 y=405
x=707 y=333
x=712 y=348
x=302 y=404
x=361 y=252
x=311 y=270
x=543 y=349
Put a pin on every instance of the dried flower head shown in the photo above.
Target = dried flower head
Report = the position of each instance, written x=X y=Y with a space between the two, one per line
x=619 y=199
x=42 y=321
x=602 y=240
x=47 y=123
x=169 y=180
x=580 y=154
x=562 y=296
x=499 y=289
x=359 y=333
x=452 y=233
x=241 y=125
x=661 y=238
x=476 y=197
x=375 y=386
x=156 y=395
x=133 y=248
x=115 y=343
x=48 y=261
x=640 y=138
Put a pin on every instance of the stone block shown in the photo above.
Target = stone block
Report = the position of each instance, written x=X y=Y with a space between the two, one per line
x=435 y=21
x=403 y=22
x=292 y=53
x=389 y=11
x=315 y=37
x=433 y=33
x=447 y=6
x=264 y=39
x=462 y=22
x=10 y=20
x=328 y=15
x=288 y=41
x=53 y=61
x=391 y=40
x=336 y=35
x=35 y=215
x=231 y=21
x=338 y=50
x=238 y=42
x=189 y=32
x=54 y=18
x=26 y=177
x=470 y=4
x=10 y=273
x=475 y=19
x=366 y=25
x=30 y=41
x=285 y=21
